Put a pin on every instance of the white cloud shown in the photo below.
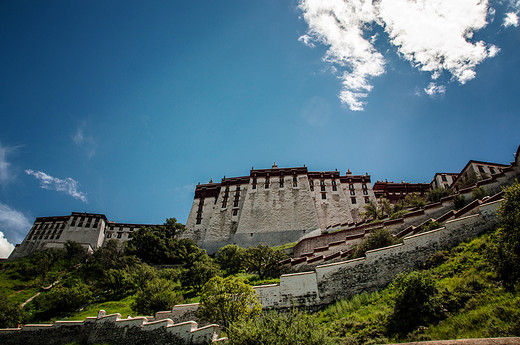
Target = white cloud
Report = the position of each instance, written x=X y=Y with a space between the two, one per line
x=68 y=186
x=5 y=247
x=5 y=170
x=434 y=35
x=88 y=143
x=340 y=25
x=511 y=19
x=14 y=224
x=435 y=90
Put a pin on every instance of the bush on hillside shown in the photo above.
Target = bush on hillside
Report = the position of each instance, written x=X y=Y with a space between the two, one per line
x=414 y=303
x=379 y=238
x=504 y=251
x=292 y=328
x=228 y=300
x=157 y=295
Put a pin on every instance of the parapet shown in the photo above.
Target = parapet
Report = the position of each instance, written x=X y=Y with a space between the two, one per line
x=112 y=329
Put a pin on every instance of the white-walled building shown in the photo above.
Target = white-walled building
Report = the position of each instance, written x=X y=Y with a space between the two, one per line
x=91 y=230
x=274 y=206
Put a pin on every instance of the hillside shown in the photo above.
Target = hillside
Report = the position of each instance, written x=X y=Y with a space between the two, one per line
x=469 y=291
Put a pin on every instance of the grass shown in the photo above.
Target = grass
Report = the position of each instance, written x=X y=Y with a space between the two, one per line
x=474 y=301
x=121 y=306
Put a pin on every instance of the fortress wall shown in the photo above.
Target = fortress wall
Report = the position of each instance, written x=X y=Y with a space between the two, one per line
x=378 y=268
x=335 y=208
x=224 y=222
x=197 y=231
x=113 y=330
x=276 y=209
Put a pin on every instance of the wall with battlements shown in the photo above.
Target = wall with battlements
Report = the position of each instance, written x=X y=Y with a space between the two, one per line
x=111 y=329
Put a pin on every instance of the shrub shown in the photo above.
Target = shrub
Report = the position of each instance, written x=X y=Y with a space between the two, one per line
x=379 y=238
x=278 y=328
x=436 y=194
x=504 y=250
x=478 y=193
x=158 y=294
x=414 y=302
x=231 y=258
x=459 y=201
x=228 y=300
x=10 y=313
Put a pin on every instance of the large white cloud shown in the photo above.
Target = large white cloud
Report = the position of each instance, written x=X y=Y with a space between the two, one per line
x=434 y=35
x=5 y=247
x=68 y=185
x=13 y=224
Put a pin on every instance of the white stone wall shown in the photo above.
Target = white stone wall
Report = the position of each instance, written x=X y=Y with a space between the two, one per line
x=277 y=209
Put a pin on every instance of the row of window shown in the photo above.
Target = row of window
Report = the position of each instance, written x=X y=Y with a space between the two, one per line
x=53 y=236
x=44 y=226
x=120 y=234
x=352 y=200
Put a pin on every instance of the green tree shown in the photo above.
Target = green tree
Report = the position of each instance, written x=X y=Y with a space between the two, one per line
x=379 y=238
x=414 y=302
x=63 y=299
x=228 y=300
x=504 y=250
x=158 y=294
x=478 y=193
x=231 y=258
x=415 y=200
x=10 y=313
x=436 y=194
x=199 y=272
x=459 y=201
x=75 y=252
x=264 y=260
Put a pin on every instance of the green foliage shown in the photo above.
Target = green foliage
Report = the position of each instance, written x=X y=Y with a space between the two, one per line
x=264 y=260
x=74 y=252
x=10 y=313
x=414 y=302
x=504 y=252
x=459 y=201
x=228 y=300
x=158 y=245
x=436 y=194
x=231 y=258
x=383 y=208
x=379 y=238
x=478 y=193
x=415 y=200
x=199 y=272
x=432 y=226
x=158 y=294
x=61 y=300
x=278 y=328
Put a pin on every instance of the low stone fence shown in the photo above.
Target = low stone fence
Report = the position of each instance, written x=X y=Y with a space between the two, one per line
x=111 y=329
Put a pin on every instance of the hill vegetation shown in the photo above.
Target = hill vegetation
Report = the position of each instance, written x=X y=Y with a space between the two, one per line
x=472 y=290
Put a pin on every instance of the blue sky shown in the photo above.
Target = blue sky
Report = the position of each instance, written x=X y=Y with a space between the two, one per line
x=122 y=107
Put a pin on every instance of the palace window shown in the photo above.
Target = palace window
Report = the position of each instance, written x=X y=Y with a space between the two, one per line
x=294 y=182
x=352 y=192
x=492 y=170
x=443 y=177
x=235 y=212
x=224 y=203
x=365 y=192
x=281 y=181
x=266 y=183
x=235 y=203
x=481 y=169
x=353 y=200
x=367 y=200
x=254 y=183
x=324 y=195
x=351 y=186
x=364 y=186
x=311 y=184
x=119 y=234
